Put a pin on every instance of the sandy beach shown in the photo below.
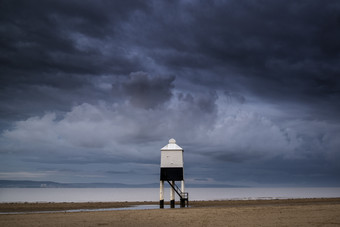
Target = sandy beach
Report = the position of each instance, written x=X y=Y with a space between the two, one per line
x=290 y=212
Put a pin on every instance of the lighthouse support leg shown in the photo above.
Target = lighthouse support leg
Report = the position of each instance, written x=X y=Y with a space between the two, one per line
x=172 y=195
x=161 y=194
x=182 y=189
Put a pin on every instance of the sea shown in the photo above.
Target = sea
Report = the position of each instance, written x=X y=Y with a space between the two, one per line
x=8 y=195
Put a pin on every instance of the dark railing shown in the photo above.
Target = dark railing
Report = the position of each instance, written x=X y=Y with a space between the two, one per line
x=184 y=196
x=176 y=188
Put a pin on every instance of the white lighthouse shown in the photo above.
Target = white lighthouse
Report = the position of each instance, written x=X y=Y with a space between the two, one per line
x=171 y=171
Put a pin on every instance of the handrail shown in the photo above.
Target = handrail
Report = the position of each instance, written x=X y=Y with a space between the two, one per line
x=185 y=195
x=176 y=188
x=182 y=195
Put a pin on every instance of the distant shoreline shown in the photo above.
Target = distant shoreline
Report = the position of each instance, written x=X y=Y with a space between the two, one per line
x=52 y=206
x=52 y=184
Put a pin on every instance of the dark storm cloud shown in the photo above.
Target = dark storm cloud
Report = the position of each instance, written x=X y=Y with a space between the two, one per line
x=56 y=47
x=47 y=36
x=146 y=92
x=279 y=50
x=240 y=84
x=282 y=50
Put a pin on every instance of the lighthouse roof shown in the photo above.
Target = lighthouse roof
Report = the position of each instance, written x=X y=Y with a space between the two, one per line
x=172 y=146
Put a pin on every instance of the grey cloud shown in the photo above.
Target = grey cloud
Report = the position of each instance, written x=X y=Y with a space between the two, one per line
x=113 y=172
x=147 y=92
x=57 y=47
x=45 y=36
x=205 y=102
x=235 y=97
x=232 y=156
x=263 y=43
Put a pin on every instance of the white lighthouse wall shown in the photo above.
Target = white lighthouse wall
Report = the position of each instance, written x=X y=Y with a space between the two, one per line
x=171 y=159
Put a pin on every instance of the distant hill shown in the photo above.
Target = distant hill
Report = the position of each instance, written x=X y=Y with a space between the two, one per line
x=51 y=184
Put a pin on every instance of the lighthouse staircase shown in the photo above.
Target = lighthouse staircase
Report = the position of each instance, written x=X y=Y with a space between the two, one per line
x=184 y=196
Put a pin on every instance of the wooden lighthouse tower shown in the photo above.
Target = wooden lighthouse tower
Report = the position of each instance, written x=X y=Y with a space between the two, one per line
x=171 y=171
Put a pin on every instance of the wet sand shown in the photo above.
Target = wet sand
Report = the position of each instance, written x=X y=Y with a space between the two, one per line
x=291 y=212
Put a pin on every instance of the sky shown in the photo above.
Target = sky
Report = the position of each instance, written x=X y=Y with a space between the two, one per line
x=90 y=91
